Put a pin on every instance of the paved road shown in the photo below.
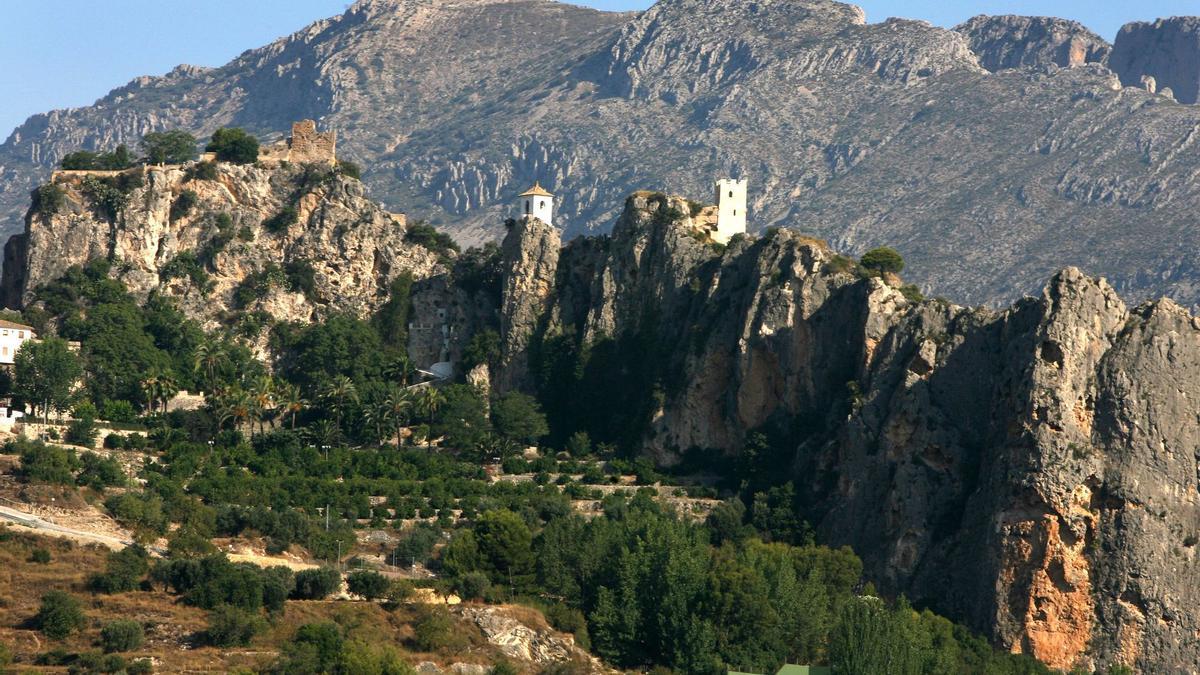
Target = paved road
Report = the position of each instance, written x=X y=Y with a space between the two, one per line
x=34 y=522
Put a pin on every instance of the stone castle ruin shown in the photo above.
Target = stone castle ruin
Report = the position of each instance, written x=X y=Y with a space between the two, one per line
x=306 y=145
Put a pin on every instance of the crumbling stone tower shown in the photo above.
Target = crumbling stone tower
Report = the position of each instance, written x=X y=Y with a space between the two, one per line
x=307 y=145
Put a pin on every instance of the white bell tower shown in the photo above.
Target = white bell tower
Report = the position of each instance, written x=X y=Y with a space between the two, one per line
x=536 y=202
x=731 y=209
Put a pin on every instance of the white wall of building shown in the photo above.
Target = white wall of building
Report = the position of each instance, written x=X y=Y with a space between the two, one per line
x=537 y=206
x=11 y=339
x=731 y=209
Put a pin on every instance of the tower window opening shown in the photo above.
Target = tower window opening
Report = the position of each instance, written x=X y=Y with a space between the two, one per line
x=731 y=193
x=528 y=208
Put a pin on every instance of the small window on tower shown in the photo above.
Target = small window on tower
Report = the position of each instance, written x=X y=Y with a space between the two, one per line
x=731 y=193
x=542 y=204
x=735 y=212
x=528 y=208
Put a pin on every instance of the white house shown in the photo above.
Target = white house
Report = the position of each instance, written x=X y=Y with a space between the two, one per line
x=12 y=336
x=731 y=209
x=536 y=202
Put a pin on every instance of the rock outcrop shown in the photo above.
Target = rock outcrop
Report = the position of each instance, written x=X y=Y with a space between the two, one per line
x=1031 y=472
x=863 y=133
x=529 y=257
x=293 y=241
x=1168 y=51
x=1005 y=42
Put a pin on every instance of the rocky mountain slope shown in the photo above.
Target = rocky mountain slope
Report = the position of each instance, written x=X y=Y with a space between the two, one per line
x=234 y=250
x=1031 y=471
x=1004 y=42
x=895 y=132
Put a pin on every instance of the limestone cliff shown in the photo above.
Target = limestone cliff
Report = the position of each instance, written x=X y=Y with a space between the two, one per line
x=1004 y=42
x=1032 y=471
x=293 y=241
x=861 y=130
x=1165 y=52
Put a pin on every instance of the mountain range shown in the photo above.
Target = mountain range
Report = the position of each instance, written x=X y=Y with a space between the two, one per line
x=990 y=155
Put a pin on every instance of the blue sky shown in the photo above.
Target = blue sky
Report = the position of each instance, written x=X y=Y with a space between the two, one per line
x=65 y=53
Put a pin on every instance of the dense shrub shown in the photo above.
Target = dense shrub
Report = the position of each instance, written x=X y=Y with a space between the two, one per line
x=183 y=204
x=518 y=417
x=106 y=195
x=316 y=584
x=281 y=221
x=230 y=626
x=84 y=160
x=99 y=472
x=121 y=636
x=123 y=571
x=201 y=171
x=882 y=260
x=40 y=556
x=368 y=584
x=416 y=546
x=48 y=200
x=169 y=147
x=349 y=169
x=434 y=630
x=424 y=234
x=82 y=432
x=233 y=145
x=41 y=463
x=141 y=512
x=59 y=615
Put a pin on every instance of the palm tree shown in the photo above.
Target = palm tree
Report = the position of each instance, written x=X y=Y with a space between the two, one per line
x=287 y=397
x=207 y=361
x=429 y=400
x=337 y=393
x=236 y=405
x=168 y=387
x=323 y=434
x=399 y=401
x=399 y=369
x=263 y=393
x=159 y=386
x=378 y=416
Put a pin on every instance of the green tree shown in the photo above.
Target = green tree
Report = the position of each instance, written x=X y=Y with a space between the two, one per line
x=518 y=417
x=43 y=463
x=122 y=635
x=124 y=571
x=316 y=584
x=46 y=373
x=59 y=615
x=368 y=584
x=482 y=349
x=505 y=546
x=867 y=639
x=882 y=260
x=434 y=630
x=233 y=145
x=169 y=147
x=230 y=626
x=462 y=418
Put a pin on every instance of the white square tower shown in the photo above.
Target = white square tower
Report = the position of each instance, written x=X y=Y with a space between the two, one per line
x=731 y=209
x=536 y=202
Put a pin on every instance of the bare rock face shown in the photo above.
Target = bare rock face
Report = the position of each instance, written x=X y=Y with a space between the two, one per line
x=529 y=639
x=340 y=253
x=1168 y=51
x=530 y=261
x=1005 y=42
x=864 y=134
x=1031 y=472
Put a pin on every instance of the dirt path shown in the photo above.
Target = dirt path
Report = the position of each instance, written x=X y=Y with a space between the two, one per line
x=54 y=530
